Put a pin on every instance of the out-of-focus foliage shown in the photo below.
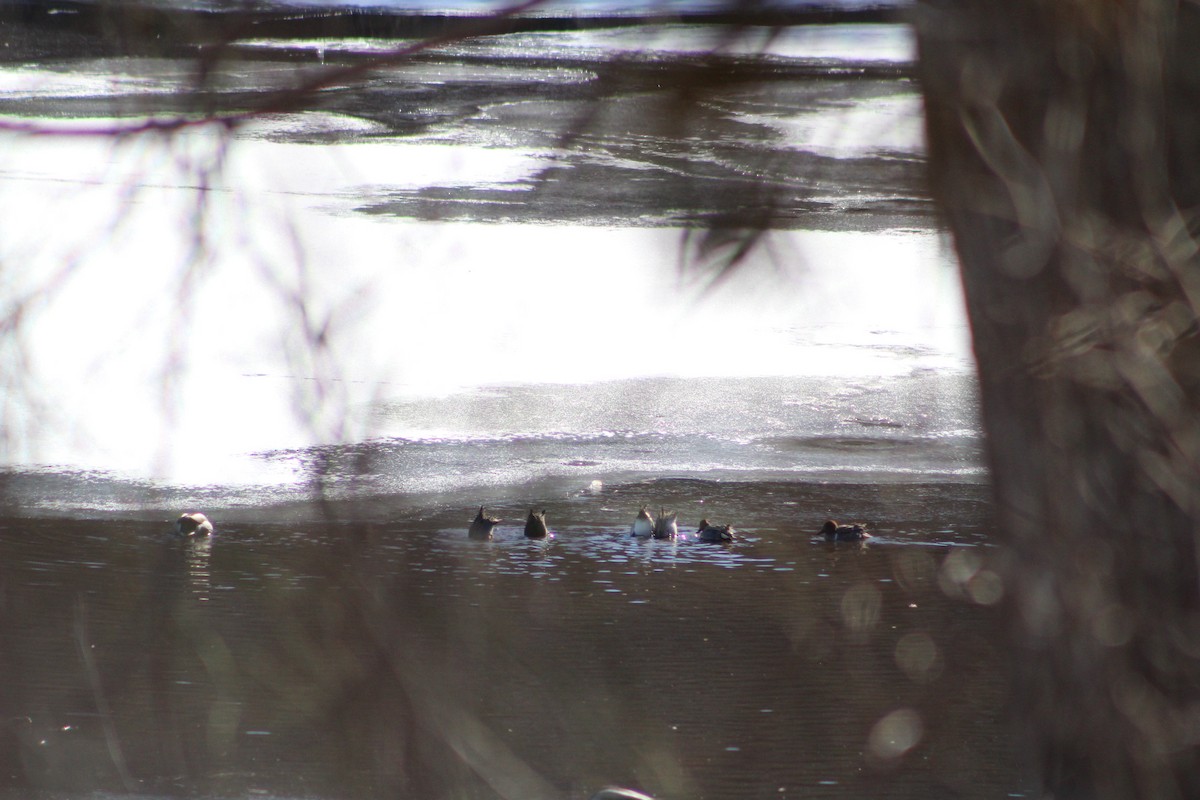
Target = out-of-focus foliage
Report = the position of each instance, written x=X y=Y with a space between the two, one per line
x=1063 y=153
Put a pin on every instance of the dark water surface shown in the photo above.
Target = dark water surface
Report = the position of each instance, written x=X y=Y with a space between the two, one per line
x=402 y=659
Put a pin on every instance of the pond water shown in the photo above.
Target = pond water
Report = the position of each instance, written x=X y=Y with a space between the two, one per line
x=403 y=659
x=477 y=277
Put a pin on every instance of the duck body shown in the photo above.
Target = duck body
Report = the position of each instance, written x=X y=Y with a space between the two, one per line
x=834 y=532
x=193 y=524
x=481 y=527
x=665 y=526
x=535 y=526
x=643 y=524
x=707 y=532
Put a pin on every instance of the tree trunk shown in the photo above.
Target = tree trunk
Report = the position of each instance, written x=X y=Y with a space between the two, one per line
x=1063 y=143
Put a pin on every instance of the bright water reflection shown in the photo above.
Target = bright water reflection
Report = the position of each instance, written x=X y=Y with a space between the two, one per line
x=344 y=269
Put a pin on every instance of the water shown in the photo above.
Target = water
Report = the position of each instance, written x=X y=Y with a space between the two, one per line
x=422 y=269
x=402 y=658
x=417 y=299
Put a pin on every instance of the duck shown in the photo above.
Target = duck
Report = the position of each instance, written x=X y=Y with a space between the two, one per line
x=193 y=524
x=481 y=527
x=707 y=532
x=643 y=524
x=665 y=526
x=535 y=526
x=834 y=532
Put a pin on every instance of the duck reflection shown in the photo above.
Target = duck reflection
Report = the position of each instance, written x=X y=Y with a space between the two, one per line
x=197 y=554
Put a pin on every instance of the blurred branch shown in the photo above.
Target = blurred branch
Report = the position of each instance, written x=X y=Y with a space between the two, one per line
x=99 y=696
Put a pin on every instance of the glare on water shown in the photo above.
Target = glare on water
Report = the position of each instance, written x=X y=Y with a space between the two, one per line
x=401 y=309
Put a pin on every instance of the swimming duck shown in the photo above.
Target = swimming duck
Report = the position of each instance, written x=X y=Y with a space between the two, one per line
x=193 y=524
x=664 y=526
x=481 y=527
x=707 y=532
x=843 y=533
x=643 y=525
x=535 y=526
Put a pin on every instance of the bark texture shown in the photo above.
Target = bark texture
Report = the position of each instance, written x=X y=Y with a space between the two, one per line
x=1064 y=138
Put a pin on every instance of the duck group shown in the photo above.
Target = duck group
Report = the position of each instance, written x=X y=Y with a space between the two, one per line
x=663 y=526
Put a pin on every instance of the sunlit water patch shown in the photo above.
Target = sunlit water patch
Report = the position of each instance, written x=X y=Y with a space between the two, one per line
x=331 y=318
